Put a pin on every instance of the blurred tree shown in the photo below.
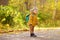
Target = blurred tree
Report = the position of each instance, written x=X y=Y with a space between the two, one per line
x=54 y=12
x=4 y=2
x=26 y=3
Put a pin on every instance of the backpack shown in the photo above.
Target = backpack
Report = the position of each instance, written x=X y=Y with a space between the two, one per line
x=27 y=18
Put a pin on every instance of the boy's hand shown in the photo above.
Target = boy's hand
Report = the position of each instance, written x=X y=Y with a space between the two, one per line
x=37 y=23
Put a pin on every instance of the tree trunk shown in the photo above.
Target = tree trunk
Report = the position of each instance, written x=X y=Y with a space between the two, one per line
x=3 y=2
x=26 y=3
x=42 y=2
x=54 y=12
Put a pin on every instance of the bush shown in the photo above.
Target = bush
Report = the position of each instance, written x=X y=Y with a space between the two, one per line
x=9 y=15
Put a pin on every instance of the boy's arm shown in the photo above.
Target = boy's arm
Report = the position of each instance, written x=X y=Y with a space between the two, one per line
x=31 y=19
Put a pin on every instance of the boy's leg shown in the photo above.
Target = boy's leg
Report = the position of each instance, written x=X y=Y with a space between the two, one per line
x=32 y=31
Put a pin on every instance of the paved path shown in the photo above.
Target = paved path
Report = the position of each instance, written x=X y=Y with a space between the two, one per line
x=42 y=34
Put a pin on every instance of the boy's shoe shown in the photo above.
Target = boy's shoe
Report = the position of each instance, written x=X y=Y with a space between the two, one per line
x=33 y=35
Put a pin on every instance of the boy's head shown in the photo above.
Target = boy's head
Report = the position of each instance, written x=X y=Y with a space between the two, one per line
x=34 y=10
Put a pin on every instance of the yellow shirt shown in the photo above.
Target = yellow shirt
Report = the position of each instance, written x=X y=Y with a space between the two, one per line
x=32 y=19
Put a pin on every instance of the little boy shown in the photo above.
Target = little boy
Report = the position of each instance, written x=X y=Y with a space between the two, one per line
x=32 y=21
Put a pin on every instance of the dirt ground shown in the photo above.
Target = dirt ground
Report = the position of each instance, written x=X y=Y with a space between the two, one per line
x=42 y=34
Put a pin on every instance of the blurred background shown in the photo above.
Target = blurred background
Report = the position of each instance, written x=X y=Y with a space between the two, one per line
x=13 y=14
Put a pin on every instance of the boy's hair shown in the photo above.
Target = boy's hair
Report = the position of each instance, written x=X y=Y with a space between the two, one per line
x=35 y=8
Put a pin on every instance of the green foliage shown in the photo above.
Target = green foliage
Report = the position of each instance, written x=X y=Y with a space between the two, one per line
x=8 y=15
x=43 y=16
